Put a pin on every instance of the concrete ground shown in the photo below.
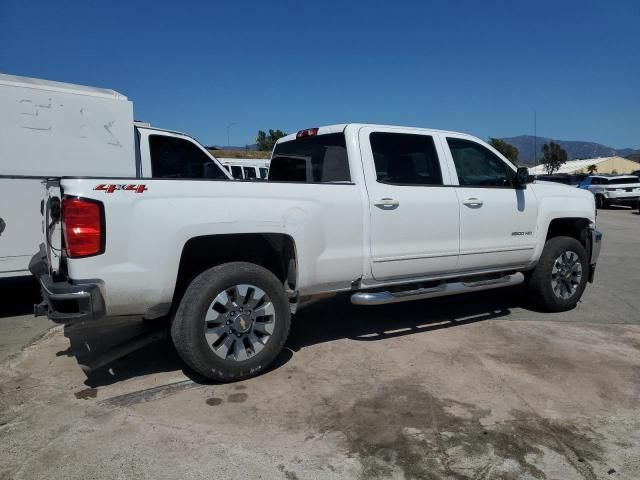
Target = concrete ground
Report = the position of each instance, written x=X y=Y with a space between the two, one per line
x=474 y=387
x=18 y=327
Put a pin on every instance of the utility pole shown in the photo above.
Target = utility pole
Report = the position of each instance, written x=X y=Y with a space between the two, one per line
x=535 y=138
x=228 y=128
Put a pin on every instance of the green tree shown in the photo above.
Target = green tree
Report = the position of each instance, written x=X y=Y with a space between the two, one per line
x=591 y=169
x=505 y=149
x=266 y=142
x=553 y=157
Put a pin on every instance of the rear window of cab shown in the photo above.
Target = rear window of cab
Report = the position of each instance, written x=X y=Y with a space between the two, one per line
x=311 y=159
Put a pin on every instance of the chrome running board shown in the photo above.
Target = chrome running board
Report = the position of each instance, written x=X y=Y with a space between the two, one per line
x=442 y=290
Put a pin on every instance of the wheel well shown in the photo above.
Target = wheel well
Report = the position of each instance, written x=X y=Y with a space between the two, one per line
x=577 y=228
x=273 y=251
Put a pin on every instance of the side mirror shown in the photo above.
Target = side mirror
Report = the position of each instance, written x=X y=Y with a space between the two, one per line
x=523 y=177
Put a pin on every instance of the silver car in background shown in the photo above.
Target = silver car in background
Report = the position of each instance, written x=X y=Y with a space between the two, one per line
x=613 y=190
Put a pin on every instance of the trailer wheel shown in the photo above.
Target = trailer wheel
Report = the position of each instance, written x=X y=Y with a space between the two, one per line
x=232 y=321
x=560 y=277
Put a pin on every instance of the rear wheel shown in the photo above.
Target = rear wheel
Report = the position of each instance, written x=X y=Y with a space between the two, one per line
x=560 y=277
x=232 y=321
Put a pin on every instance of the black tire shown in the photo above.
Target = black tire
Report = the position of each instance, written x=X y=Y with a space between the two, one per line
x=601 y=202
x=188 y=326
x=539 y=282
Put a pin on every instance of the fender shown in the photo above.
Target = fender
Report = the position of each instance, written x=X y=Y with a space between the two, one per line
x=554 y=205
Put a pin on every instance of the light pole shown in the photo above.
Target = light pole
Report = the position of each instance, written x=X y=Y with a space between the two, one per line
x=535 y=138
x=229 y=128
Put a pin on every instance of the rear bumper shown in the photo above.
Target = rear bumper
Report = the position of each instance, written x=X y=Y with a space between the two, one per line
x=64 y=301
x=596 y=245
x=627 y=198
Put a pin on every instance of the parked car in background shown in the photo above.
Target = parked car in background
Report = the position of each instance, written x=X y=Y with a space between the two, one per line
x=613 y=190
x=246 y=169
x=54 y=129
x=561 y=178
x=386 y=213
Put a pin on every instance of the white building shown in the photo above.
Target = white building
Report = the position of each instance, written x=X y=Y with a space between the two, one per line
x=603 y=164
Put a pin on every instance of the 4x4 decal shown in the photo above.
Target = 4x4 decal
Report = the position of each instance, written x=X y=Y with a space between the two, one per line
x=110 y=188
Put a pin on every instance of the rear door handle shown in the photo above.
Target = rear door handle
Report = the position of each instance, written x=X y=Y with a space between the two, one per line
x=386 y=203
x=473 y=202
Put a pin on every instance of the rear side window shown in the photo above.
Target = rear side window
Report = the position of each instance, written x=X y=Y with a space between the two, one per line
x=316 y=159
x=623 y=181
x=173 y=157
x=263 y=173
x=477 y=166
x=405 y=159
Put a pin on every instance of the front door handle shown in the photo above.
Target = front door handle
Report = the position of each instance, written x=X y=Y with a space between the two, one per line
x=472 y=202
x=387 y=203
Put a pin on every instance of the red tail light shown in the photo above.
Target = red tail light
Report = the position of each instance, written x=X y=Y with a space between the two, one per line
x=309 y=132
x=83 y=227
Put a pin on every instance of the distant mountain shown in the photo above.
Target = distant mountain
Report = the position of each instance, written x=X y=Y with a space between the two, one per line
x=575 y=149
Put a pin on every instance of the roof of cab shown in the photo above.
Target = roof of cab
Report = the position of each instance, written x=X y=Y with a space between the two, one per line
x=340 y=127
x=40 y=84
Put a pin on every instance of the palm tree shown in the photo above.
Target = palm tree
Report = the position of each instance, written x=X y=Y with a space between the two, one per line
x=591 y=169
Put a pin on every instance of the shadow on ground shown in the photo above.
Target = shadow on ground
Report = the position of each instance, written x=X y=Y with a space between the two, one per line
x=322 y=322
x=19 y=294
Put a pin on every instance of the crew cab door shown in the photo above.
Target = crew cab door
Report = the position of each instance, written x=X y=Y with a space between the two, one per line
x=413 y=207
x=497 y=221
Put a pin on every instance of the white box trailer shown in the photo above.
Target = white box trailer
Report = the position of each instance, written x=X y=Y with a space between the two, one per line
x=53 y=129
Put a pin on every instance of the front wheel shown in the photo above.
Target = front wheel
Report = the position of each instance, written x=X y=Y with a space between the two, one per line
x=560 y=277
x=232 y=321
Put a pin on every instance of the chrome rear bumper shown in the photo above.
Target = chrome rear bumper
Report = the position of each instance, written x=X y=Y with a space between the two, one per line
x=63 y=301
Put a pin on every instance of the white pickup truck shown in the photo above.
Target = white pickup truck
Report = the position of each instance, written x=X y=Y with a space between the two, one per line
x=386 y=213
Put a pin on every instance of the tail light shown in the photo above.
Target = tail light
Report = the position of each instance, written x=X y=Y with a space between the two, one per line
x=83 y=227
x=309 y=132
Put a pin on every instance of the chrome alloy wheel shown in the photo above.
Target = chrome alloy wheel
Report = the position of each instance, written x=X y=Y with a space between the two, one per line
x=566 y=275
x=239 y=322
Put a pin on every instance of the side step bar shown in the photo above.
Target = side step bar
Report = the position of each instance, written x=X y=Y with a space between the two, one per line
x=442 y=290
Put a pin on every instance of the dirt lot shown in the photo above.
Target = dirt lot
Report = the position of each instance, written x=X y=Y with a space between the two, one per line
x=475 y=387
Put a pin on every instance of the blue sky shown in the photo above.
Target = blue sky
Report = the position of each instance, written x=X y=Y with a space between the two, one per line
x=479 y=67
